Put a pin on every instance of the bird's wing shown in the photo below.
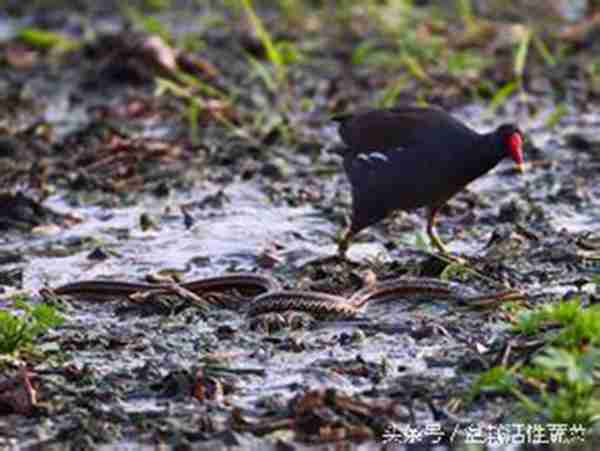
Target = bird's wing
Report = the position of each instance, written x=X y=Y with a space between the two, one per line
x=372 y=162
x=366 y=170
x=402 y=127
x=369 y=176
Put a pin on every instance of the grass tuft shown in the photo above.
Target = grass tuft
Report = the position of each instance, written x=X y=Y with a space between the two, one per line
x=20 y=330
x=560 y=384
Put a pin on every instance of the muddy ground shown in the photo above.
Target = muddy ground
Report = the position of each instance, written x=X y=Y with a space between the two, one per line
x=123 y=155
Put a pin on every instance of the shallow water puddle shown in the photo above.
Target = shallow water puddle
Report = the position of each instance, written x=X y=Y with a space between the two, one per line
x=228 y=238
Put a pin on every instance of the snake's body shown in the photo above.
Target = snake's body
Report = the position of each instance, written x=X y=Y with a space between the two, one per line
x=264 y=294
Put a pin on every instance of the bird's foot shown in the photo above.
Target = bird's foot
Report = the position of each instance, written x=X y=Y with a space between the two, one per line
x=343 y=243
x=438 y=244
x=444 y=251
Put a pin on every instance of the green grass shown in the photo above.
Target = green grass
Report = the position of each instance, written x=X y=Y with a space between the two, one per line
x=157 y=5
x=274 y=54
x=465 y=62
x=149 y=24
x=48 y=40
x=402 y=47
x=561 y=383
x=465 y=11
x=20 y=330
x=501 y=96
x=196 y=94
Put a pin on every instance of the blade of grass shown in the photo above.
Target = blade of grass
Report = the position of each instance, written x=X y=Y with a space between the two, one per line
x=193 y=114
x=521 y=54
x=390 y=95
x=465 y=10
x=501 y=96
x=263 y=73
x=415 y=68
x=273 y=53
x=192 y=82
x=43 y=39
x=543 y=50
x=556 y=116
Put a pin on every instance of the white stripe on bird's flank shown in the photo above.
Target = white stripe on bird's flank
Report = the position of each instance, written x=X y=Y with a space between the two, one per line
x=378 y=156
x=373 y=158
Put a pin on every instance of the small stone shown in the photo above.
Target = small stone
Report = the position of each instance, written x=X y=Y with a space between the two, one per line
x=98 y=254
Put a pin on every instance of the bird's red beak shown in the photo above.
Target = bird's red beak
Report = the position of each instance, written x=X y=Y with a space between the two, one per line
x=515 y=145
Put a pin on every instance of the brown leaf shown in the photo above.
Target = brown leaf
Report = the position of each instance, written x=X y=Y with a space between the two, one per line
x=580 y=32
x=159 y=52
x=18 y=394
x=20 y=57
x=193 y=65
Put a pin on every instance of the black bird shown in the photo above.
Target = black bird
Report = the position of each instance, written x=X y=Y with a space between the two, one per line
x=410 y=157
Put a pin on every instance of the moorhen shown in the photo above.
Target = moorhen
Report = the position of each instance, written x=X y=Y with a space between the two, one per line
x=410 y=157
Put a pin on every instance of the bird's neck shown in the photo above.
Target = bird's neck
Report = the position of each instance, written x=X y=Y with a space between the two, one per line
x=484 y=156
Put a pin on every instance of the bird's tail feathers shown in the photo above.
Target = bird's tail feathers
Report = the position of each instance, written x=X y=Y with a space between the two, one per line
x=341 y=117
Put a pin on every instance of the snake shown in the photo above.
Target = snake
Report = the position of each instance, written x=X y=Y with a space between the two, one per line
x=263 y=294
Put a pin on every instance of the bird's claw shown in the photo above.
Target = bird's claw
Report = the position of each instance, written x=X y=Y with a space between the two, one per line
x=437 y=243
x=344 y=242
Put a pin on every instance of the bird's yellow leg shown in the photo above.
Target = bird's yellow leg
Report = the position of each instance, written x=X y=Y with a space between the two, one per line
x=344 y=242
x=435 y=239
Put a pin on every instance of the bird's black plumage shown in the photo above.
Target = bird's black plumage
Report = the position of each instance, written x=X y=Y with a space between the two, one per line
x=409 y=157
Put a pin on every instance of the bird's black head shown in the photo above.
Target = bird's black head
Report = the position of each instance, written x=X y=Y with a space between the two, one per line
x=510 y=140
